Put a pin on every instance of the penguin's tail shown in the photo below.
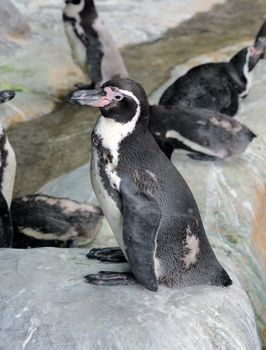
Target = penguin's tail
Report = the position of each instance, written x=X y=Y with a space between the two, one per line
x=251 y=135
x=220 y=277
x=224 y=278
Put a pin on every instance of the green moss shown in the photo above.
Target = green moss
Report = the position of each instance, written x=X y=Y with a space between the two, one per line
x=232 y=239
x=6 y=69
x=14 y=87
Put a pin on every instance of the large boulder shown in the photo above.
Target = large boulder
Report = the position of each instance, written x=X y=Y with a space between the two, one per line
x=45 y=304
x=230 y=194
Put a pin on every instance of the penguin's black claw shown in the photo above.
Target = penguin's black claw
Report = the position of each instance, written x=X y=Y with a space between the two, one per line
x=113 y=255
x=108 y=278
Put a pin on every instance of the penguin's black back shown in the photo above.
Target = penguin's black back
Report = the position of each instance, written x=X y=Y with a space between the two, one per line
x=209 y=86
x=6 y=228
x=148 y=165
x=141 y=158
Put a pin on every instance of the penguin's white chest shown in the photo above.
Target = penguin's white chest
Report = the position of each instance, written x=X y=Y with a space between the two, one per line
x=9 y=171
x=78 y=49
x=108 y=205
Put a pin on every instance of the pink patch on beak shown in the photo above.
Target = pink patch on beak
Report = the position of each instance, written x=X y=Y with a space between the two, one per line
x=256 y=51
x=111 y=95
x=101 y=103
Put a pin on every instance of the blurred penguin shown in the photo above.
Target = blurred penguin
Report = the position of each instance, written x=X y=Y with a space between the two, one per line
x=218 y=86
x=44 y=221
x=92 y=46
x=7 y=178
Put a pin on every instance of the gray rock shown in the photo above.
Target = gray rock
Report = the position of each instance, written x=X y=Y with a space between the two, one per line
x=230 y=194
x=12 y=23
x=45 y=304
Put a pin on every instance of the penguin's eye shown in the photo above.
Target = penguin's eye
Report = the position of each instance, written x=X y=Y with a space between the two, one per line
x=118 y=97
x=76 y=2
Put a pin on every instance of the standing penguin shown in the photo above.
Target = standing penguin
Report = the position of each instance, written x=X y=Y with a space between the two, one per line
x=92 y=46
x=217 y=86
x=145 y=200
x=7 y=178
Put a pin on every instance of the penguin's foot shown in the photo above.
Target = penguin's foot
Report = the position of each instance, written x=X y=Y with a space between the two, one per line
x=108 y=278
x=113 y=255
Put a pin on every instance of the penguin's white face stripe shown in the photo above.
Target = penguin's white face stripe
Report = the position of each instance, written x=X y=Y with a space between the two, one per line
x=173 y=134
x=248 y=75
x=112 y=133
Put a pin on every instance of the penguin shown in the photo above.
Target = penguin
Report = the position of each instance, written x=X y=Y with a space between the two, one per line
x=45 y=221
x=217 y=86
x=7 y=178
x=92 y=46
x=145 y=200
x=260 y=38
x=203 y=134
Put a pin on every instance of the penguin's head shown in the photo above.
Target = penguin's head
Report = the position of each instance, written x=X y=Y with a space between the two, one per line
x=118 y=99
x=83 y=8
x=261 y=36
x=246 y=59
x=6 y=95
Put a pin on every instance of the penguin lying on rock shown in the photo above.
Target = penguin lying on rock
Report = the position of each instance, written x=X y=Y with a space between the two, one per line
x=92 y=46
x=39 y=220
x=217 y=86
x=203 y=134
x=7 y=177
x=145 y=200
x=45 y=221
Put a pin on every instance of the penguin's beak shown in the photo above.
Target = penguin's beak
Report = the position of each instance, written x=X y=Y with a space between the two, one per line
x=6 y=95
x=94 y=98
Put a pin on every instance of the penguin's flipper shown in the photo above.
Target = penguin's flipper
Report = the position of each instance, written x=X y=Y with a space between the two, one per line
x=112 y=254
x=6 y=227
x=141 y=220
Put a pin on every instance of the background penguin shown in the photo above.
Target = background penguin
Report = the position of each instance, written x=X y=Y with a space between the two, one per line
x=261 y=36
x=147 y=203
x=92 y=46
x=217 y=86
x=45 y=221
x=7 y=177
x=201 y=133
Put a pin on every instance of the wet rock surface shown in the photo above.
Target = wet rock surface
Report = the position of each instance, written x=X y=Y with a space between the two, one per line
x=45 y=304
